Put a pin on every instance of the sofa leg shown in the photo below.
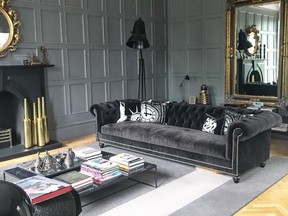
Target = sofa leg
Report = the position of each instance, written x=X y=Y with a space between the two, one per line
x=263 y=164
x=101 y=145
x=236 y=179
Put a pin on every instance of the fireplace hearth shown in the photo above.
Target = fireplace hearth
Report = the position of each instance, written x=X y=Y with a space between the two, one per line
x=16 y=83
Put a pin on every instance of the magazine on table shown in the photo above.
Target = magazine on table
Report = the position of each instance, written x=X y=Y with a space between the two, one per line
x=101 y=164
x=40 y=188
x=127 y=159
x=74 y=178
x=87 y=152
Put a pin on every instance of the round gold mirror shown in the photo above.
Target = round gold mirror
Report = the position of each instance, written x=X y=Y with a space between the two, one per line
x=253 y=38
x=9 y=28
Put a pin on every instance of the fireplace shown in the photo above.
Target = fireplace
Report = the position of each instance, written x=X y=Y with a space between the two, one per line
x=16 y=83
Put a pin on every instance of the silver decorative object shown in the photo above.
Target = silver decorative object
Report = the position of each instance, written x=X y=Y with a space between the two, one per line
x=46 y=164
x=38 y=161
x=69 y=160
x=60 y=158
x=50 y=164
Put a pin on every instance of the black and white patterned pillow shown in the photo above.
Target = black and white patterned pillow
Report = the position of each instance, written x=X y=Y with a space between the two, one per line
x=213 y=125
x=231 y=116
x=152 y=111
x=127 y=114
x=123 y=116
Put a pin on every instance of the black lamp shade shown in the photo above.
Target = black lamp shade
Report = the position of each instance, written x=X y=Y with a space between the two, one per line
x=244 y=44
x=138 y=39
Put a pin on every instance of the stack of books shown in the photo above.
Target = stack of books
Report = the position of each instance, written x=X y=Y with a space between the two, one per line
x=77 y=180
x=87 y=153
x=40 y=188
x=101 y=170
x=128 y=163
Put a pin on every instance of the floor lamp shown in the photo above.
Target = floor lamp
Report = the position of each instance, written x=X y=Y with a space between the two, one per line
x=138 y=40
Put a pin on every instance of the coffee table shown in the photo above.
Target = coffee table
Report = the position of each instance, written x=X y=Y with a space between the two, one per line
x=147 y=167
x=27 y=169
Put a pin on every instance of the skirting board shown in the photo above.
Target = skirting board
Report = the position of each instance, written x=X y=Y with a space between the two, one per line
x=73 y=131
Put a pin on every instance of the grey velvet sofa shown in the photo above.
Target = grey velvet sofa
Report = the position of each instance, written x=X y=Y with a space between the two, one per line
x=245 y=145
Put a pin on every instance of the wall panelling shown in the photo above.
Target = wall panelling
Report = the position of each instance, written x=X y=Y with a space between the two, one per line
x=196 y=42
x=86 y=41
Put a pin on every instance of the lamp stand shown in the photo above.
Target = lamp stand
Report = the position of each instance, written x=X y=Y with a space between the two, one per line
x=142 y=83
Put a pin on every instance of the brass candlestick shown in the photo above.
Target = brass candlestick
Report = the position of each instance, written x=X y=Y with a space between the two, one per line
x=41 y=138
x=27 y=127
x=45 y=123
x=34 y=125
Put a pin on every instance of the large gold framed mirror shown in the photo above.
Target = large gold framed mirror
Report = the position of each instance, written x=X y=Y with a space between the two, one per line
x=256 y=52
x=9 y=28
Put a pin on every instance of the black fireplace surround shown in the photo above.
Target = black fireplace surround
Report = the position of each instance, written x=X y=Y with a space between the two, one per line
x=16 y=83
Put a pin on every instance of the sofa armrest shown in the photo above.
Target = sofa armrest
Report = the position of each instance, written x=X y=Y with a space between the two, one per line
x=109 y=112
x=249 y=127
x=105 y=113
x=256 y=124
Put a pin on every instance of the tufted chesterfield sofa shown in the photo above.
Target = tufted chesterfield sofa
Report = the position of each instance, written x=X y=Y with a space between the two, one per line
x=245 y=145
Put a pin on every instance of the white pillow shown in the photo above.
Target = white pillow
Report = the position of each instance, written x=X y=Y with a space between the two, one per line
x=123 y=117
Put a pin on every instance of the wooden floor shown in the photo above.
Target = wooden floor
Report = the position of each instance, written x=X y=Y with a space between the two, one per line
x=273 y=202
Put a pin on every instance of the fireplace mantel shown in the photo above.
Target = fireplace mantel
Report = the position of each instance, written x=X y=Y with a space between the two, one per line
x=21 y=81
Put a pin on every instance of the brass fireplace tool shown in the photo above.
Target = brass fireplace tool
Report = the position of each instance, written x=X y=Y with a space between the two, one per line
x=27 y=126
x=37 y=133
x=34 y=125
x=45 y=124
x=40 y=128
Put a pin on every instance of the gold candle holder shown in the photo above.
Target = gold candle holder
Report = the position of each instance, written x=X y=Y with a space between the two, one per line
x=40 y=129
x=45 y=123
x=34 y=126
x=27 y=127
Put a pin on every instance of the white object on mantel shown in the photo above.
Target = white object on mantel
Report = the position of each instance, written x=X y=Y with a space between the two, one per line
x=282 y=128
x=258 y=104
x=271 y=109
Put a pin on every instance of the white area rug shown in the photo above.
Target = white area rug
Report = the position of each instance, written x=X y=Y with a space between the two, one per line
x=172 y=196
x=184 y=191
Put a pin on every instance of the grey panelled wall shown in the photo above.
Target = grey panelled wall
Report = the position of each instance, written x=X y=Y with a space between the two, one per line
x=196 y=41
x=86 y=43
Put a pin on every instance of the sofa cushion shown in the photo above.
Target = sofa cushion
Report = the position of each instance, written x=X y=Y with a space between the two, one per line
x=152 y=111
x=128 y=113
x=123 y=116
x=213 y=125
x=230 y=117
x=170 y=136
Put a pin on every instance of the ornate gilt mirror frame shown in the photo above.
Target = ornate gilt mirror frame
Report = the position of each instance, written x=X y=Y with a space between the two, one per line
x=13 y=22
x=230 y=56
